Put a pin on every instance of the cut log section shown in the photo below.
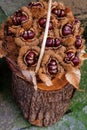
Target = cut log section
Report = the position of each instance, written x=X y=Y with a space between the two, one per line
x=41 y=108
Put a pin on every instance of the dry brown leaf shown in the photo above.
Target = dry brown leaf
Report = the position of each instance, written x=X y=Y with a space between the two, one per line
x=73 y=77
x=83 y=56
x=45 y=78
x=30 y=77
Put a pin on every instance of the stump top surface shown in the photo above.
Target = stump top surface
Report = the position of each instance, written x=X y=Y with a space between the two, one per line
x=57 y=84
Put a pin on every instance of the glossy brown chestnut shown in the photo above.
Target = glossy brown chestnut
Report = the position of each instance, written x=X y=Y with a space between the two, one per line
x=57 y=42
x=78 y=42
x=51 y=42
x=16 y=20
x=23 y=18
x=30 y=58
x=59 y=12
x=42 y=23
x=67 y=29
x=55 y=11
x=76 y=61
x=18 y=17
x=52 y=67
x=70 y=55
x=28 y=34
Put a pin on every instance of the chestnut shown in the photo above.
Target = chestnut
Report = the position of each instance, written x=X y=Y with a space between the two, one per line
x=67 y=29
x=59 y=12
x=70 y=55
x=42 y=23
x=52 y=67
x=23 y=18
x=19 y=17
x=57 y=42
x=51 y=42
x=30 y=58
x=16 y=20
x=76 y=61
x=28 y=34
x=55 y=11
x=78 y=42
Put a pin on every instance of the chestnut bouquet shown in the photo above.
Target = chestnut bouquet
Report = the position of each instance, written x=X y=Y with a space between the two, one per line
x=43 y=45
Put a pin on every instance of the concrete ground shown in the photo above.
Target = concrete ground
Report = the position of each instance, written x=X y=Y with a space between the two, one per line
x=11 y=117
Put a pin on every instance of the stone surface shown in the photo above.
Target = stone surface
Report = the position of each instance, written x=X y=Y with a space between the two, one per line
x=9 y=6
x=79 y=7
x=2 y=16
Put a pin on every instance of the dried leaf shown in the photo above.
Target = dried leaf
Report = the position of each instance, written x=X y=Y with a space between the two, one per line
x=44 y=78
x=83 y=56
x=30 y=77
x=73 y=77
x=14 y=67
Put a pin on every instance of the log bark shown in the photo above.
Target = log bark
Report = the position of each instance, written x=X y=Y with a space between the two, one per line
x=41 y=108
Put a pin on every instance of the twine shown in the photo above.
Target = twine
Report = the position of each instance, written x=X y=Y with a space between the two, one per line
x=45 y=36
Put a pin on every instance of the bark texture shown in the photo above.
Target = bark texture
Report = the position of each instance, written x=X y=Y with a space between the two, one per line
x=41 y=108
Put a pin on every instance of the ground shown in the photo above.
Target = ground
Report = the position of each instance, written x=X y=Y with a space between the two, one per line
x=11 y=117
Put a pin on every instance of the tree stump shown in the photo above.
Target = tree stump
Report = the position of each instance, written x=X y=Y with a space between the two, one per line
x=41 y=108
